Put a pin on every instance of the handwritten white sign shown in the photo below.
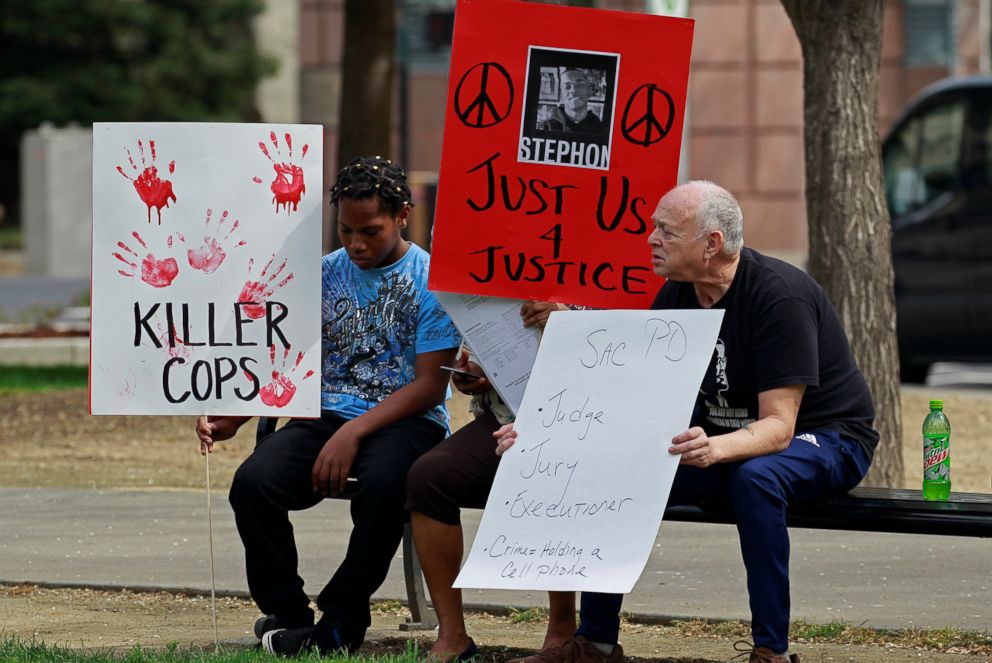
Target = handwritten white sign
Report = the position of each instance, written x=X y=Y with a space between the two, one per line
x=206 y=269
x=577 y=501
x=495 y=332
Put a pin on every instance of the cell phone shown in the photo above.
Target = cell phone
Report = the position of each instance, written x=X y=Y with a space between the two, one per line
x=464 y=374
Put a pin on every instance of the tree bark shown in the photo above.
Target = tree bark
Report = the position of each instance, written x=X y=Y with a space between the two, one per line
x=849 y=229
x=368 y=69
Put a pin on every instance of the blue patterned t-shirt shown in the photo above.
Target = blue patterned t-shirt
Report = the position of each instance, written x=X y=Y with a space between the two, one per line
x=375 y=323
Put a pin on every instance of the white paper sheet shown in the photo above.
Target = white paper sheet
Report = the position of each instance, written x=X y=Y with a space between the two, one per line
x=577 y=501
x=188 y=221
x=502 y=345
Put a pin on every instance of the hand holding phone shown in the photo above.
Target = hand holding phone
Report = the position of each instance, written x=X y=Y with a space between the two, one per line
x=464 y=374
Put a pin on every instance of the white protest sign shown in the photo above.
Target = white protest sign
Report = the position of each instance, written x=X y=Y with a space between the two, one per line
x=206 y=269
x=495 y=332
x=577 y=501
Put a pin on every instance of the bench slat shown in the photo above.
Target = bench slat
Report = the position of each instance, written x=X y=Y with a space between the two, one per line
x=872 y=510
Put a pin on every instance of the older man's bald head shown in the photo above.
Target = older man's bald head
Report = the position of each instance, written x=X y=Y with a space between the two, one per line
x=712 y=207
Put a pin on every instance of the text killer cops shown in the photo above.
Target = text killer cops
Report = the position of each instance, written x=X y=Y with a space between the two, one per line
x=207 y=378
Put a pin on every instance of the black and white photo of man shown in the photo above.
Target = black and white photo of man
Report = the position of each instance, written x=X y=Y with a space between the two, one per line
x=573 y=114
x=568 y=108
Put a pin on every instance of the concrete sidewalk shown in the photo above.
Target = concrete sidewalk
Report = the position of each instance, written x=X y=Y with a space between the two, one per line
x=159 y=540
x=20 y=293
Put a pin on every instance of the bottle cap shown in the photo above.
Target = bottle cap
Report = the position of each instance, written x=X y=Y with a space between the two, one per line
x=937 y=405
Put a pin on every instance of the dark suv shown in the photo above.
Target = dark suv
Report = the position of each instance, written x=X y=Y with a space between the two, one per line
x=937 y=162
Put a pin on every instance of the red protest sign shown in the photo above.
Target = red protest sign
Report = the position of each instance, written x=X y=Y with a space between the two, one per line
x=562 y=130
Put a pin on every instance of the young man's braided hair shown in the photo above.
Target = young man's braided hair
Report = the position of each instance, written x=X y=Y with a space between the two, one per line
x=369 y=176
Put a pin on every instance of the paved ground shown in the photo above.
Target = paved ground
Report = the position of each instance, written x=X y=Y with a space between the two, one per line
x=20 y=293
x=159 y=539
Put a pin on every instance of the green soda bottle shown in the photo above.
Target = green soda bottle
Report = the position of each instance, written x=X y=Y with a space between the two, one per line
x=936 y=454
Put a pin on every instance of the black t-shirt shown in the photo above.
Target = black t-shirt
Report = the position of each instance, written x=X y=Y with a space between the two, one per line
x=779 y=329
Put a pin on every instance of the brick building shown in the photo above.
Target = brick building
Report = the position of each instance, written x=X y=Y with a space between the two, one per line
x=744 y=126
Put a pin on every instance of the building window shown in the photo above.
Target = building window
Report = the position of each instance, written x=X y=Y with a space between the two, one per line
x=930 y=35
x=425 y=33
x=440 y=24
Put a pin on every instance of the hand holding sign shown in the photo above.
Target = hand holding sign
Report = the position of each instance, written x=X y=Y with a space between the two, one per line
x=506 y=437
x=216 y=429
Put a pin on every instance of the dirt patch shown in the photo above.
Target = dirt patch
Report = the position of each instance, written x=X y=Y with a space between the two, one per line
x=48 y=440
x=85 y=618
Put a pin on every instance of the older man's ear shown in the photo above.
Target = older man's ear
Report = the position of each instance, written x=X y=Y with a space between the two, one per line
x=714 y=244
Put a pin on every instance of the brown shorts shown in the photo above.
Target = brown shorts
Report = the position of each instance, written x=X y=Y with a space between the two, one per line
x=456 y=473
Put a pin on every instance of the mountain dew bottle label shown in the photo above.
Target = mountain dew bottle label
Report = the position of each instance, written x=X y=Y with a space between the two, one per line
x=936 y=454
x=936 y=458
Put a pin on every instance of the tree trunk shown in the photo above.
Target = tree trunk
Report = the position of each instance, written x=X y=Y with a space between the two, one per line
x=849 y=231
x=368 y=68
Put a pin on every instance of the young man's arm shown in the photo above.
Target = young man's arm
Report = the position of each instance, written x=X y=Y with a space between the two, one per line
x=428 y=388
x=771 y=433
x=210 y=429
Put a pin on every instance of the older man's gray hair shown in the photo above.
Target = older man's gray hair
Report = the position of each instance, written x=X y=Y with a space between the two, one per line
x=719 y=210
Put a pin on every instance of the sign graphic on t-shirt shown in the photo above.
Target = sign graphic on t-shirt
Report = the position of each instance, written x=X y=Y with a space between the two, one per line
x=720 y=413
x=368 y=341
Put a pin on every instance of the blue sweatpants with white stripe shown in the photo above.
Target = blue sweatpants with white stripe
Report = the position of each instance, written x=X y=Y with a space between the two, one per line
x=759 y=489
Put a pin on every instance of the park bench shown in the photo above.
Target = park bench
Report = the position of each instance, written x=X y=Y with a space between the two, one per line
x=863 y=510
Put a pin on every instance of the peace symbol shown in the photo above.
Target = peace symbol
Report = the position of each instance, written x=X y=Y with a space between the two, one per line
x=477 y=109
x=647 y=128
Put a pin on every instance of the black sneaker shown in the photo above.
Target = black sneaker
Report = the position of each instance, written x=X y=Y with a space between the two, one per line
x=272 y=622
x=323 y=639
x=289 y=641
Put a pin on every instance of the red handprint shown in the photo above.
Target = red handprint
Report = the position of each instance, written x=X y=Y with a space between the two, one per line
x=288 y=186
x=208 y=257
x=257 y=292
x=281 y=390
x=153 y=191
x=154 y=272
x=180 y=349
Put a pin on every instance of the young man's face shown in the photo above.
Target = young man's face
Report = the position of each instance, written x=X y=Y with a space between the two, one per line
x=369 y=234
x=575 y=90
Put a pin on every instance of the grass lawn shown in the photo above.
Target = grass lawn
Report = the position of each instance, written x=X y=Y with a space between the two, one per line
x=41 y=378
x=11 y=238
x=13 y=650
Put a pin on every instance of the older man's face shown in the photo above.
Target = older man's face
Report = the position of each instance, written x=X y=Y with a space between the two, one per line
x=575 y=90
x=676 y=249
